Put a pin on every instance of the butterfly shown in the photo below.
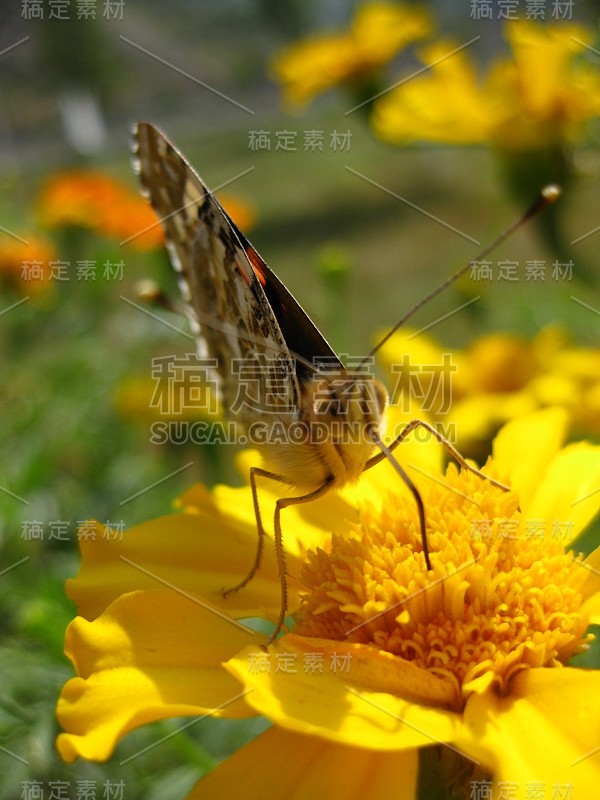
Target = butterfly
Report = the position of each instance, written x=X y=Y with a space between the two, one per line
x=248 y=322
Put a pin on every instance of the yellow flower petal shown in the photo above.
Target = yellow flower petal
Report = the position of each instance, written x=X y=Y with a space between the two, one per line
x=500 y=362
x=553 y=87
x=592 y=606
x=547 y=729
x=323 y=60
x=151 y=655
x=198 y=553
x=304 y=526
x=196 y=499
x=526 y=464
x=590 y=589
x=305 y=768
x=299 y=698
x=542 y=94
x=477 y=418
x=381 y=29
x=569 y=489
x=445 y=104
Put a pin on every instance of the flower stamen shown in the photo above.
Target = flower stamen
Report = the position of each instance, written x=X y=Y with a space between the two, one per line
x=498 y=601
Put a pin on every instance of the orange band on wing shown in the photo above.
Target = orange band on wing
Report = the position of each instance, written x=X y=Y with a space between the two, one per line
x=258 y=265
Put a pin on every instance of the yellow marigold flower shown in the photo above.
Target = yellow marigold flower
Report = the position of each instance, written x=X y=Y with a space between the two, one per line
x=377 y=33
x=500 y=362
x=498 y=377
x=175 y=398
x=386 y=658
x=445 y=104
x=542 y=95
x=549 y=92
x=25 y=265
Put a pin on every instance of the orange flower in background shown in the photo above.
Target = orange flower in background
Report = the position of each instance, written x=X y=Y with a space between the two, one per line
x=25 y=263
x=239 y=210
x=104 y=205
x=96 y=201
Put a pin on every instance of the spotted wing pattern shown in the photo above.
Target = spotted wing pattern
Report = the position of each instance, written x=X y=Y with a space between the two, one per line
x=222 y=281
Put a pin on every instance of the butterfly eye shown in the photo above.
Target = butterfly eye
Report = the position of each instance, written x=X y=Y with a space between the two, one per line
x=326 y=402
x=379 y=398
x=372 y=431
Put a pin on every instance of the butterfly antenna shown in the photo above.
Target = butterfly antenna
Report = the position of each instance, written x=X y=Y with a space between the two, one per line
x=546 y=197
x=150 y=292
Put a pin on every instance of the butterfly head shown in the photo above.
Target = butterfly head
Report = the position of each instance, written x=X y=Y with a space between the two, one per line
x=346 y=413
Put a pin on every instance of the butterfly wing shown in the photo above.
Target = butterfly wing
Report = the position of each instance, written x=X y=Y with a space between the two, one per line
x=305 y=342
x=228 y=306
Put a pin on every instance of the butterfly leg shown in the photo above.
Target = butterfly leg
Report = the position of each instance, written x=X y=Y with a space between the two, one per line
x=282 y=503
x=262 y=473
x=419 y=423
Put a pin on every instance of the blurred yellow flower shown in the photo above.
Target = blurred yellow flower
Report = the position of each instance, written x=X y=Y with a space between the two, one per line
x=25 y=265
x=500 y=376
x=387 y=657
x=168 y=397
x=444 y=104
x=543 y=94
x=377 y=33
x=548 y=91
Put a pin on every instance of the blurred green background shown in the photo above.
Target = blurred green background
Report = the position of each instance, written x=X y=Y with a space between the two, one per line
x=70 y=91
